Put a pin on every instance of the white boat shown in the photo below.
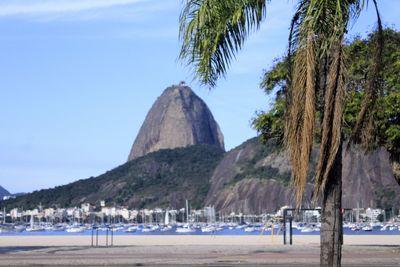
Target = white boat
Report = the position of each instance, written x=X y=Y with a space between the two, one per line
x=117 y=229
x=266 y=229
x=166 y=228
x=184 y=230
x=4 y=230
x=250 y=229
x=296 y=225
x=58 y=228
x=75 y=230
x=367 y=228
x=384 y=228
x=131 y=229
x=208 y=229
x=148 y=230
x=35 y=228
x=19 y=228
x=310 y=229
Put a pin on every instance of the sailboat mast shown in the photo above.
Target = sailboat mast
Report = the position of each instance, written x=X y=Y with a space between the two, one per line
x=187 y=211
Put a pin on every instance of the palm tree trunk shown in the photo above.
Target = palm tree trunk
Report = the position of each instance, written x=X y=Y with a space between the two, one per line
x=331 y=219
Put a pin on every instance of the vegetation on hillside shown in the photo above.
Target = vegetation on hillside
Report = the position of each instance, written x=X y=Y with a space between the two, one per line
x=254 y=169
x=270 y=124
x=149 y=181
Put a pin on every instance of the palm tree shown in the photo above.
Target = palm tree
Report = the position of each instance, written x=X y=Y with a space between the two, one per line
x=213 y=31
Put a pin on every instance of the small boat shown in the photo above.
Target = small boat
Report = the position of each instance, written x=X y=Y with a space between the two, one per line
x=355 y=228
x=307 y=230
x=384 y=228
x=117 y=229
x=75 y=230
x=131 y=229
x=19 y=228
x=35 y=228
x=166 y=228
x=250 y=229
x=184 y=230
x=208 y=229
x=4 y=230
x=367 y=228
x=148 y=230
x=58 y=228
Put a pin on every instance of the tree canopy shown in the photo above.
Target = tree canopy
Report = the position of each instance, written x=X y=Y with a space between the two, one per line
x=270 y=124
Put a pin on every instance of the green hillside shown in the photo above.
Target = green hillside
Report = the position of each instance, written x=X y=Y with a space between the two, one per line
x=161 y=179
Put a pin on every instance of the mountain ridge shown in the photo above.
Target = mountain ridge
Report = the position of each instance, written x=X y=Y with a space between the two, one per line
x=251 y=178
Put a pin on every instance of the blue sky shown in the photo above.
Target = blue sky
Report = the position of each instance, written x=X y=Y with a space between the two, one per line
x=77 y=78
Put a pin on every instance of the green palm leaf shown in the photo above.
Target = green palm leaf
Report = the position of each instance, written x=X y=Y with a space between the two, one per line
x=213 y=31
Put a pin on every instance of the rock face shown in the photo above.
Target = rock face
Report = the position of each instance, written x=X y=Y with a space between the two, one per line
x=368 y=180
x=230 y=191
x=178 y=118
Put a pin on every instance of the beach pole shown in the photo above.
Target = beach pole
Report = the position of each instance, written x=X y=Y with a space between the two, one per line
x=107 y=237
x=291 y=231
x=272 y=233
x=284 y=227
x=112 y=238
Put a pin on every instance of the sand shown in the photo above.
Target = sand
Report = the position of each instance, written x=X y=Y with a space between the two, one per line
x=192 y=251
x=184 y=240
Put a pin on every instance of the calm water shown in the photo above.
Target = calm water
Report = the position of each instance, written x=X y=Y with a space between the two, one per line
x=225 y=231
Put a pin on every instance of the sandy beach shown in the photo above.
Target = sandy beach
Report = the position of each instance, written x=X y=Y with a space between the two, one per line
x=187 y=240
x=364 y=250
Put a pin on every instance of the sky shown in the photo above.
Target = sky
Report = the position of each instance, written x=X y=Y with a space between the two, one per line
x=77 y=78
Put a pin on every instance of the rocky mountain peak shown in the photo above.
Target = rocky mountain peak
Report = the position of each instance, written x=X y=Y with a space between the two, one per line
x=178 y=118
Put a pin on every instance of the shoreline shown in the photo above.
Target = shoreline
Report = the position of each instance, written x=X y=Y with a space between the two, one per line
x=188 y=240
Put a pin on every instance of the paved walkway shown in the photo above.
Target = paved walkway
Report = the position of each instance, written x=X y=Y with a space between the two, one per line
x=194 y=255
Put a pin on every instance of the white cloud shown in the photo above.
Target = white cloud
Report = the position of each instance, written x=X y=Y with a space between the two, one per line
x=54 y=7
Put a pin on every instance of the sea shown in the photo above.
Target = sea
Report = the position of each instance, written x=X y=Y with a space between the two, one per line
x=225 y=231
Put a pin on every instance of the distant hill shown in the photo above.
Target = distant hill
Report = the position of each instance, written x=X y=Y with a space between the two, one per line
x=250 y=178
x=165 y=178
x=4 y=192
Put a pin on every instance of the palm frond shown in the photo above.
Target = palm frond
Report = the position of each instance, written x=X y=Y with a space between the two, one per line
x=301 y=116
x=213 y=31
x=331 y=129
x=318 y=26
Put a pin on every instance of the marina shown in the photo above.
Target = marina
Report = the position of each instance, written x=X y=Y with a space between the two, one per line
x=192 y=229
